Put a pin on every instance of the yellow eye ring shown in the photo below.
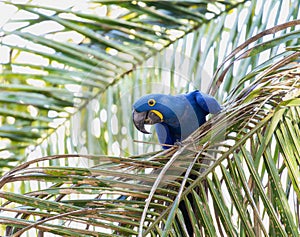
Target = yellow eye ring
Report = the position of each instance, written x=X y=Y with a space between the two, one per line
x=151 y=102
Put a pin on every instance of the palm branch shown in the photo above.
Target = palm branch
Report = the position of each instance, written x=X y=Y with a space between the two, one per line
x=246 y=159
x=46 y=80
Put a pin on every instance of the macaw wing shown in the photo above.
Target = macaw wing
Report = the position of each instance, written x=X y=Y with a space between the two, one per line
x=208 y=103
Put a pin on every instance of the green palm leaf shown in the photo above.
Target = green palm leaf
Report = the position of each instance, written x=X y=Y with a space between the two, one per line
x=99 y=51
x=239 y=188
x=241 y=168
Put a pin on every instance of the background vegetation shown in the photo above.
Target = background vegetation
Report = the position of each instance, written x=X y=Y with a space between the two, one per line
x=69 y=74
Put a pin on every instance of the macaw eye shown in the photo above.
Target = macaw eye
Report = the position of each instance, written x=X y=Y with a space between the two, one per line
x=151 y=102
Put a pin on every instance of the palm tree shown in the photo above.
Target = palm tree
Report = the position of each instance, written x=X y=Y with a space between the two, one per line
x=69 y=76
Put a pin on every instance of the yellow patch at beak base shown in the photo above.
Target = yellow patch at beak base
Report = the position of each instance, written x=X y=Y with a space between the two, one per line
x=159 y=114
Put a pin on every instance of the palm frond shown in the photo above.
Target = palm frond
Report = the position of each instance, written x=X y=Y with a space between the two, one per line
x=238 y=174
x=187 y=64
x=241 y=169
x=58 y=59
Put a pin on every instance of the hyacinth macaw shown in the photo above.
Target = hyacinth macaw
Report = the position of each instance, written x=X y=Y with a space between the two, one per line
x=175 y=117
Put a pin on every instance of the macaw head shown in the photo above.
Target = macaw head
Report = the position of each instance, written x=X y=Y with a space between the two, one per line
x=150 y=109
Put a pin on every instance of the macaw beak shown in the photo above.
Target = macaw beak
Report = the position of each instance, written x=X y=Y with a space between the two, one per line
x=147 y=117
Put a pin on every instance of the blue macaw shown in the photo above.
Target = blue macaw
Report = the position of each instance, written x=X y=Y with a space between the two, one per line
x=175 y=117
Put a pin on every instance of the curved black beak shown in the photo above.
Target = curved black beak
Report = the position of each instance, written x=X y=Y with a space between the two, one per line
x=142 y=118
